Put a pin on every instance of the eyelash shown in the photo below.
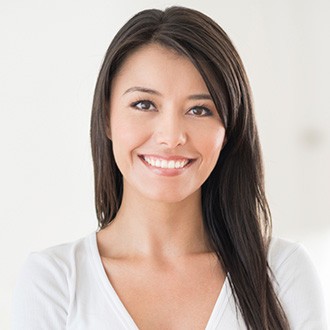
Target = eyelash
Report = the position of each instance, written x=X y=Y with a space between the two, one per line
x=207 y=111
x=135 y=105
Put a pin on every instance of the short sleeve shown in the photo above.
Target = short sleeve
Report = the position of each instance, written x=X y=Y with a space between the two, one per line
x=40 y=298
x=300 y=291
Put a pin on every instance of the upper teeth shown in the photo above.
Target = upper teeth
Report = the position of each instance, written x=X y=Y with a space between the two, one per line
x=162 y=163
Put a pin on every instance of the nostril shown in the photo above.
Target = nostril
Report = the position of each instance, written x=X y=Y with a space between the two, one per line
x=171 y=134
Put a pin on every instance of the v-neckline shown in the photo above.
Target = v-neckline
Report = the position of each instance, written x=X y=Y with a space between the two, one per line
x=123 y=314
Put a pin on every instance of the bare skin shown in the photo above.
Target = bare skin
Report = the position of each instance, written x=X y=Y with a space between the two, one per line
x=155 y=251
x=163 y=274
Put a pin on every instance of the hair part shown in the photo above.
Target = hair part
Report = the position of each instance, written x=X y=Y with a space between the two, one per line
x=235 y=211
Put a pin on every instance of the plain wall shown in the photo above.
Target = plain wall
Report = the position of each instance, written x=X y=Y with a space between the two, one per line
x=50 y=55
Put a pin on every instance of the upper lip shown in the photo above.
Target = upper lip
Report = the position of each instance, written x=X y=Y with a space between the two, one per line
x=167 y=157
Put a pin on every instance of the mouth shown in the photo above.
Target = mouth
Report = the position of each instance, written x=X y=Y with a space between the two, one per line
x=171 y=163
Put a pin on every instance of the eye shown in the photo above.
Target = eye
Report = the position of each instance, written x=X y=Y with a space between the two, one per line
x=143 y=105
x=200 y=111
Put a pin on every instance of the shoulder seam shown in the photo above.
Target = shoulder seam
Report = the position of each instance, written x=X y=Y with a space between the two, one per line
x=293 y=251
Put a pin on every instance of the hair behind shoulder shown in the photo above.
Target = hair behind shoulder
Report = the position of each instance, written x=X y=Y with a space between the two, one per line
x=235 y=209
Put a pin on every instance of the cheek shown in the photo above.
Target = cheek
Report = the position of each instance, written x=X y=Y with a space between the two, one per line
x=219 y=139
x=210 y=144
x=126 y=136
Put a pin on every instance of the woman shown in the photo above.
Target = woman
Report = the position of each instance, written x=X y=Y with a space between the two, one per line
x=184 y=239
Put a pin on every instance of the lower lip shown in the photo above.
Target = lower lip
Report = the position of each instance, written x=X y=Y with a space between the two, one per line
x=166 y=171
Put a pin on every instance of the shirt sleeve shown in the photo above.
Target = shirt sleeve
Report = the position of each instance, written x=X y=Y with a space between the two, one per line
x=40 y=298
x=300 y=291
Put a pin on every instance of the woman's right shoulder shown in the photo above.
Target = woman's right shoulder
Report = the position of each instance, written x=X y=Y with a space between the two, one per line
x=46 y=279
x=58 y=257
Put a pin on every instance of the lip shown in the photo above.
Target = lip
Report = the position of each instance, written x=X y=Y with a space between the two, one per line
x=168 y=158
x=167 y=171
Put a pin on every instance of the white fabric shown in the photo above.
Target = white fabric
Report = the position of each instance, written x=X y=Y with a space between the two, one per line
x=66 y=287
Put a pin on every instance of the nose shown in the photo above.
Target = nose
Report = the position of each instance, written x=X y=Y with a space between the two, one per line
x=170 y=131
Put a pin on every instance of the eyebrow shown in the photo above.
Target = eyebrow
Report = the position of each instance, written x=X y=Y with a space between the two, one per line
x=202 y=96
x=143 y=90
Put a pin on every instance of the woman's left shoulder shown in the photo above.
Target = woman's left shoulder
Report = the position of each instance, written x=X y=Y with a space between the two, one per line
x=282 y=253
x=291 y=263
x=297 y=284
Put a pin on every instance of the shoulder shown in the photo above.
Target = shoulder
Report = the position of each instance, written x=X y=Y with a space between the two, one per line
x=60 y=258
x=290 y=261
x=297 y=284
x=44 y=287
x=58 y=261
x=283 y=251
x=290 y=264
x=66 y=249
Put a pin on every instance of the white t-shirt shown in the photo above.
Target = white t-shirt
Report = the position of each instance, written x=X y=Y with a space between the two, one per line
x=66 y=287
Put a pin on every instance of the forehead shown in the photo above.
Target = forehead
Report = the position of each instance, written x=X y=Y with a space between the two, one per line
x=159 y=65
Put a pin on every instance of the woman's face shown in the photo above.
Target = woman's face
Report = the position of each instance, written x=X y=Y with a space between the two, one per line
x=164 y=126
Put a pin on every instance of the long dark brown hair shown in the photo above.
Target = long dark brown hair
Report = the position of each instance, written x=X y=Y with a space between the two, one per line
x=235 y=211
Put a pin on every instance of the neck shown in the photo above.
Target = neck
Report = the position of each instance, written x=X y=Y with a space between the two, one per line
x=157 y=229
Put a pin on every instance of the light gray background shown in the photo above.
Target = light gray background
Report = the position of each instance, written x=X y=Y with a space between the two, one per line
x=50 y=54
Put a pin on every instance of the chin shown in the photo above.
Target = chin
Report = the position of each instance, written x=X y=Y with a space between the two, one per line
x=169 y=198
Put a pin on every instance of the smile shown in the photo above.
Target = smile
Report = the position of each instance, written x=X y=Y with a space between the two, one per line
x=166 y=164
